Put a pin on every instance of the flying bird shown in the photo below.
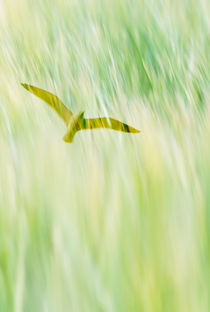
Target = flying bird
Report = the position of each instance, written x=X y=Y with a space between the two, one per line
x=77 y=122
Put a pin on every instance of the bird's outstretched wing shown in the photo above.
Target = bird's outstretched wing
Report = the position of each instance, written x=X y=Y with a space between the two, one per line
x=52 y=100
x=108 y=123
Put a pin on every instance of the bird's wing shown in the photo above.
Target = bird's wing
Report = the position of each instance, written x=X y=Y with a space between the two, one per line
x=52 y=100
x=108 y=123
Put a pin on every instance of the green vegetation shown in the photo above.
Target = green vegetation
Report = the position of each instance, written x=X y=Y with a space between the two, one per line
x=112 y=222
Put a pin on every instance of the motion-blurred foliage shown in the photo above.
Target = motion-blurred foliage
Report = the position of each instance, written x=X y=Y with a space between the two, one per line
x=112 y=222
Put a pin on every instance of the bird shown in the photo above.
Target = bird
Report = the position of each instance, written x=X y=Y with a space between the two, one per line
x=77 y=122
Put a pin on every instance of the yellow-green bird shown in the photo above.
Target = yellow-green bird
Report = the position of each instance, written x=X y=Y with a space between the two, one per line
x=77 y=122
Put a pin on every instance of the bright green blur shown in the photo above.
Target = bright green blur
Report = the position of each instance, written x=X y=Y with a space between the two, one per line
x=113 y=222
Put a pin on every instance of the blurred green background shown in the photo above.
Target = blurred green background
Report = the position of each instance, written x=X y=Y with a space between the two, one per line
x=112 y=222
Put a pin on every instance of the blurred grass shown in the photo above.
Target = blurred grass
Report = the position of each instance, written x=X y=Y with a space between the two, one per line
x=113 y=222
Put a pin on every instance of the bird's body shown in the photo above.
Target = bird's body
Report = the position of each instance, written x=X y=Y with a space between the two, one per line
x=77 y=122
